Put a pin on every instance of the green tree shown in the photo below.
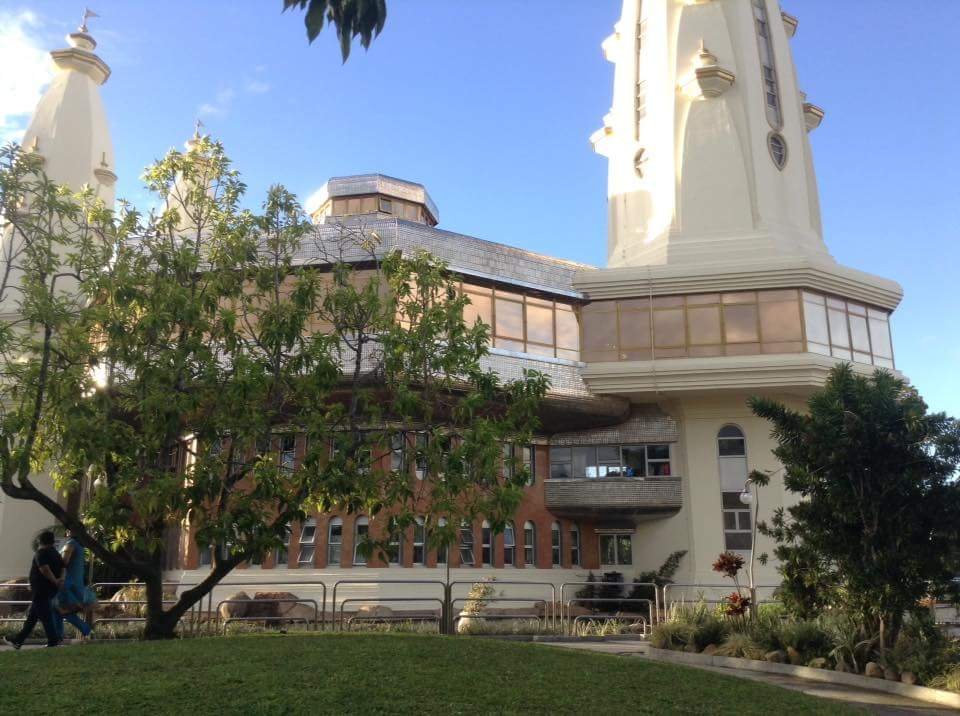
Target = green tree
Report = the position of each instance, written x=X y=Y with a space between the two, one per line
x=878 y=524
x=155 y=363
x=351 y=19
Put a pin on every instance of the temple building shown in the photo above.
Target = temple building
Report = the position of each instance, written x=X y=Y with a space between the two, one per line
x=718 y=286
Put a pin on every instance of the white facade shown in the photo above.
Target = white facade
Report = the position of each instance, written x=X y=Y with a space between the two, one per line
x=69 y=131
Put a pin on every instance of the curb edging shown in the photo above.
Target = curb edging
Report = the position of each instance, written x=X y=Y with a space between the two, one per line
x=918 y=693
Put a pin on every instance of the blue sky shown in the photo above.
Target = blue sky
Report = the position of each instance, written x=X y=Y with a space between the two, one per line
x=490 y=105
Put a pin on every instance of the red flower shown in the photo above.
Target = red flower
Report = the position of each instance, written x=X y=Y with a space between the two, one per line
x=728 y=564
x=737 y=604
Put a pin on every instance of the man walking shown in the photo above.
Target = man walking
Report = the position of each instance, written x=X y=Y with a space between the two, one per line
x=46 y=579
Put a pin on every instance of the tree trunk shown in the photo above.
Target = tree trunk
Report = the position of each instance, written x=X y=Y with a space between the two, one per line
x=160 y=624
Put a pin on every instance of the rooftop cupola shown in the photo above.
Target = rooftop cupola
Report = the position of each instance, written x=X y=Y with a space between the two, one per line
x=376 y=195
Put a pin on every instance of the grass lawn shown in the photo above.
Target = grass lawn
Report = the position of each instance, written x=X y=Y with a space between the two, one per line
x=369 y=674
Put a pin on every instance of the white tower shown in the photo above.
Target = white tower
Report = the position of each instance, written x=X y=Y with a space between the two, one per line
x=707 y=137
x=69 y=132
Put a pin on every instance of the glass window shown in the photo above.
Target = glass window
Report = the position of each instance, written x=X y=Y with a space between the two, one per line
x=334 y=542
x=634 y=461
x=282 y=556
x=859 y=334
x=480 y=308
x=529 y=544
x=880 y=337
x=395 y=549
x=568 y=329
x=839 y=336
x=509 y=545
x=704 y=325
x=575 y=546
x=486 y=548
x=599 y=329
x=668 y=328
x=561 y=465
x=420 y=443
x=308 y=539
x=540 y=324
x=731 y=442
x=205 y=556
x=780 y=321
x=361 y=530
x=386 y=206
x=584 y=462
x=740 y=323
x=556 y=545
x=509 y=319
x=815 y=321
x=288 y=453
x=466 y=544
x=398 y=457
x=529 y=463
x=616 y=549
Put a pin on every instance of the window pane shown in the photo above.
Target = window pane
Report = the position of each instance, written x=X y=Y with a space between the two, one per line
x=880 y=336
x=668 y=328
x=584 y=462
x=540 y=324
x=704 y=324
x=634 y=461
x=740 y=323
x=599 y=331
x=737 y=540
x=815 y=320
x=568 y=330
x=480 y=307
x=509 y=319
x=658 y=452
x=731 y=500
x=634 y=329
x=838 y=328
x=744 y=520
x=859 y=334
x=729 y=520
x=732 y=447
x=608 y=549
x=780 y=321
x=624 y=550
x=560 y=471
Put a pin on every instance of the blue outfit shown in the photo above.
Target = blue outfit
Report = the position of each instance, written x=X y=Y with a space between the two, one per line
x=71 y=596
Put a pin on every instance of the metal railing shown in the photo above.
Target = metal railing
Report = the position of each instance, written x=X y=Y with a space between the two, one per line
x=409 y=582
x=549 y=612
x=494 y=617
x=565 y=619
x=580 y=600
x=700 y=597
x=592 y=618
x=380 y=600
x=213 y=616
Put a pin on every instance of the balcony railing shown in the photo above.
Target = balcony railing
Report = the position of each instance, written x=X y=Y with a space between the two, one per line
x=614 y=497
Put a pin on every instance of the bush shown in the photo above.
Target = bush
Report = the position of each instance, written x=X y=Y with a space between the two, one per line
x=588 y=591
x=948 y=680
x=672 y=635
x=742 y=646
x=922 y=648
x=611 y=591
x=762 y=629
x=807 y=637
x=711 y=630
x=852 y=644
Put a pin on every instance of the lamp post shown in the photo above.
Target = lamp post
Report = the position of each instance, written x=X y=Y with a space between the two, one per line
x=748 y=498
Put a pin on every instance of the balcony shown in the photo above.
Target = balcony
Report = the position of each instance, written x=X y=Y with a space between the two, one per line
x=612 y=497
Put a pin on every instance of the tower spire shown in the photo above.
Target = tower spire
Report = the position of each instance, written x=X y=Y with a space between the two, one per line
x=707 y=136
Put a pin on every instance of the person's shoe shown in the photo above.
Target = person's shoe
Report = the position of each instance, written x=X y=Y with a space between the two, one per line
x=54 y=646
x=10 y=642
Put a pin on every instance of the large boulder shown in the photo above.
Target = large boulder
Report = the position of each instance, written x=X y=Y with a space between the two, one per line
x=873 y=670
x=794 y=656
x=374 y=611
x=818 y=663
x=908 y=677
x=891 y=674
x=710 y=650
x=15 y=590
x=776 y=656
x=130 y=601
x=266 y=604
x=235 y=610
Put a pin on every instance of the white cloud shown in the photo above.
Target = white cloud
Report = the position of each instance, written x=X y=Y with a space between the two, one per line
x=256 y=87
x=25 y=71
x=219 y=106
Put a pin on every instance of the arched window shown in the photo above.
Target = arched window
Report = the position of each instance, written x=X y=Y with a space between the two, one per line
x=466 y=544
x=308 y=541
x=529 y=544
x=509 y=545
x=575 y=546
x=732 y=455
x=556 y=545
x=486 y=549
x=395 y=549
x=778 y=149
x=442 y=548
x=419 y=542
x=334 y=542
x=361 y=528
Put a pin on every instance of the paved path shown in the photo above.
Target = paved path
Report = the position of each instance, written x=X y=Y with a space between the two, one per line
x=877 y=702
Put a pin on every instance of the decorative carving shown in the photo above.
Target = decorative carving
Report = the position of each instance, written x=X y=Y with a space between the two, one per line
x=812 y=115
x=709 y=78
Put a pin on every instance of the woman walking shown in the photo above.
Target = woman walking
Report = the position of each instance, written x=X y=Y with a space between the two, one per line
x=71 y=600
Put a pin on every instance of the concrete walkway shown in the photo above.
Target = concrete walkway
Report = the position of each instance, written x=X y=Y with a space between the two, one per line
x=876 y=702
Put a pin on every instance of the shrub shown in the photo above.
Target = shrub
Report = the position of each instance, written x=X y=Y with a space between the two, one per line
x=611 y=591
x=711 y=630
x=672 y=635
x=851 y=642
x=922 y=648
x=588 y=591
x=762 y=629
x=948 y=680
x=740 y=645
x=807 y=637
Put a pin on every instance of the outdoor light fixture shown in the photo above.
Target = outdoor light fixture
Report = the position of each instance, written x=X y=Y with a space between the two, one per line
x=746 y=498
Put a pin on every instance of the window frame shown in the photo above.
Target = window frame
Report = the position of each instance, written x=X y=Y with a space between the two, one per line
x=465 y=545
x=529 y=544
x=556 y=545
x=310 y=542
x=360 y=560
x=509 y=545
x=334 y=547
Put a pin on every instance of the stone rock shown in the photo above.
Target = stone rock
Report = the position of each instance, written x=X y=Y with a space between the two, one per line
x=841 y=667
x=374 y=610
x=818 y=663
x=132 y=592
x=265 y=604
x=15 y=590
x=299 y=613
x=710 y=650
x=908 y=677
x=891 y=674
x=777 y=656
x=232 y=611
x=794 y=657
x=873 y=670
x=636 y=628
